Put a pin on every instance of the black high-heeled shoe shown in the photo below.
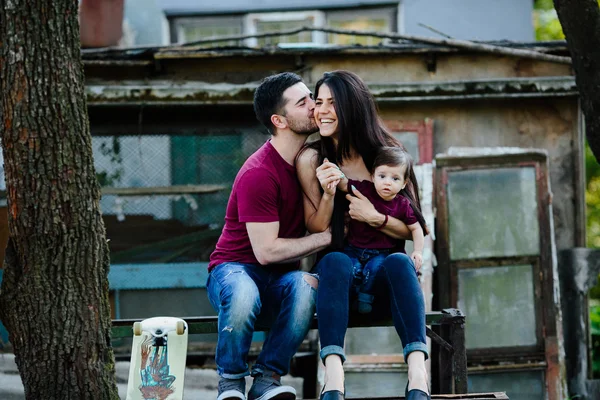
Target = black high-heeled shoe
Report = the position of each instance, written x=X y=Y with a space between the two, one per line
x=332 y=395
x=415 y=394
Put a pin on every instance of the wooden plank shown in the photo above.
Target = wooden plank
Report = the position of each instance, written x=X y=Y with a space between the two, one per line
x=162 y=190
x=466 y=396
x=209 y=324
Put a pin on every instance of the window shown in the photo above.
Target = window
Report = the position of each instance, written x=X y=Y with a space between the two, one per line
x=192 y=29
x=494 y=250
x=383 y=19
x=506 y=223
x=272 y=22
x=415 y=136
x=493 y=231
x=380 y=20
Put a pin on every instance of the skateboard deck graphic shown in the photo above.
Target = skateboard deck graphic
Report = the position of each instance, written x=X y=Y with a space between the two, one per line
x=158 y=354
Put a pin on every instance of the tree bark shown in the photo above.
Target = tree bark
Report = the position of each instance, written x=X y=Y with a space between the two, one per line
x=580 y=20
x=54 y=299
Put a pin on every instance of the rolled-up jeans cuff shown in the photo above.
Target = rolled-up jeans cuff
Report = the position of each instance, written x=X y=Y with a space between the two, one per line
x=415 y=346
x=233 y=376
x=328 y=350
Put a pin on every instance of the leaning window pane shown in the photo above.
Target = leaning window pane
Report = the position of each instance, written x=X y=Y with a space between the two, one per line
x=493 y=213
x=522 y=385
x=500 y=306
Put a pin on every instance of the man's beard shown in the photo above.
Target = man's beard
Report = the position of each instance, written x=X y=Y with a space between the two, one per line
x=304 y=127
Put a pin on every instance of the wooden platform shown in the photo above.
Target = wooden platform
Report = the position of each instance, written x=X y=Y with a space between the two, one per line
x=468 y=396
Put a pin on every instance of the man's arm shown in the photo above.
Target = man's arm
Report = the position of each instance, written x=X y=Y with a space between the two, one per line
x=270 y=249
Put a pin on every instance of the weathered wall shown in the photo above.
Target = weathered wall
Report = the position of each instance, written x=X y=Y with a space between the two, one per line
x=372 y=66
x=444 y=67
x=550 y=124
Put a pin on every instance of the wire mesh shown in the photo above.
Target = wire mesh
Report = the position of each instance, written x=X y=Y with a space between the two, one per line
x=174 y=226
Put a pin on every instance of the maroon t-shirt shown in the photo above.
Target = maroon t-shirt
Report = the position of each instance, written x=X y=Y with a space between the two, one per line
x=266 y=189
x=363 y=235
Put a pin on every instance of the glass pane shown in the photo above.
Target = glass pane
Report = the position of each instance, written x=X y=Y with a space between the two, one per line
x=410 y=140
x=359 y=24
x=271 y=26
x=206 y=30
x=499 y=304
x=524 y=385
x=493 y=213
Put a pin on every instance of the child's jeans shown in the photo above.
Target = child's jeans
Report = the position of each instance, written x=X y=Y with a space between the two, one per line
x=366 y=263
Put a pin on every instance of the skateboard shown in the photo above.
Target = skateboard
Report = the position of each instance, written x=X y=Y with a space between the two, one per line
x=158 y=354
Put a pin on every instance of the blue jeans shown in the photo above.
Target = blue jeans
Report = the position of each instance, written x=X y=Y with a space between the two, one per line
x=365 y=265
x=398 y=293
x=247 y=295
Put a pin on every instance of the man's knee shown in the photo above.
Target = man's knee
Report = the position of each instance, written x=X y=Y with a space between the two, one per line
x=239 y=296
x=311 y=280
x=304 y=289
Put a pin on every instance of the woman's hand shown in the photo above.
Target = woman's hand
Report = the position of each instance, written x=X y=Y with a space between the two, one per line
x=329 y=175
x=361 y=209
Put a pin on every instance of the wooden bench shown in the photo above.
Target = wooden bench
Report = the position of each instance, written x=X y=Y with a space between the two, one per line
x=449 y=357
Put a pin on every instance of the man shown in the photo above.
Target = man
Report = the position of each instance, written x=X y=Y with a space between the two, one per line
x=254 y=273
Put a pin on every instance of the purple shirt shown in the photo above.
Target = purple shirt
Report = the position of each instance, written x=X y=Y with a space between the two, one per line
x=266 y=189
x=363 y=235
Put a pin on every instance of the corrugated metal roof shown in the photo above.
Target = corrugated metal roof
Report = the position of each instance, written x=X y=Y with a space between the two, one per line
x=195 y=93
x=196 y=7
x=177 y=51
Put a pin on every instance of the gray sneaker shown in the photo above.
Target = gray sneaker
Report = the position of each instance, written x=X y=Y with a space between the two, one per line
x=270 y=388
x=232 y=389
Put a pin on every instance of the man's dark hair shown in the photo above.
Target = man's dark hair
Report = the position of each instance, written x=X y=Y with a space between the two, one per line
x=268 y=97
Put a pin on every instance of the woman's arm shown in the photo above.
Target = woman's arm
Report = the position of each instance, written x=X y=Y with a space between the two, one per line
x=318 y=207
x=361 y=209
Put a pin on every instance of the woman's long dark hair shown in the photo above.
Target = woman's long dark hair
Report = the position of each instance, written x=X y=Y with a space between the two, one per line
x=360 y=129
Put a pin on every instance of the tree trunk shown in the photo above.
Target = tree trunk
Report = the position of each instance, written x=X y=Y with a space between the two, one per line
x=580 y=20
x=54 y=298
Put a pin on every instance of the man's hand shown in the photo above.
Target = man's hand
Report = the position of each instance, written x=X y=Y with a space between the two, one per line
x=417 y=258
x=361 y=209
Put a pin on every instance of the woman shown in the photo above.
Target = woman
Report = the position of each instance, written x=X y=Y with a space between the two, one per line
x=351 y=133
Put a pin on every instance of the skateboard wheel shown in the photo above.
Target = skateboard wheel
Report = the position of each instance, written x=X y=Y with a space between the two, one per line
x=137 y=328
x=180 y=328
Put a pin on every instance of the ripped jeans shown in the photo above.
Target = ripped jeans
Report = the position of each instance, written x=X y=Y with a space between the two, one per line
x=247 y=295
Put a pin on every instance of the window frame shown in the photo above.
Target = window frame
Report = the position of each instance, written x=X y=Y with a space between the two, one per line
x=179 y=23
x=250 y=20
x=448 y=269
x=389 y=12
x=423 y=128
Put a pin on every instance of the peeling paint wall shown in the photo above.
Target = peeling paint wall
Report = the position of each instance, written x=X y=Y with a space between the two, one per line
x=414 y=67
x=550 y=124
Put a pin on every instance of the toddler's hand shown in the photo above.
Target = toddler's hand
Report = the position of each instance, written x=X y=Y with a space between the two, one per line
x=417 y=259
